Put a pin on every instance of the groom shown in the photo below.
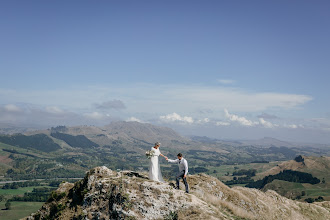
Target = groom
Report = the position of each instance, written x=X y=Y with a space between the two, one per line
x=183 y=170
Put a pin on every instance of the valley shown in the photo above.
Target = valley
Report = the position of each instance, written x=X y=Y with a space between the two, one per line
x=67 y=153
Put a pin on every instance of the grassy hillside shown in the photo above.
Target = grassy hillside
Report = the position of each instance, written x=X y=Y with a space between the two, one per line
x=299 y=191
x=39 y=142
x=317 y=166
x=75 y=141
x=122 y=145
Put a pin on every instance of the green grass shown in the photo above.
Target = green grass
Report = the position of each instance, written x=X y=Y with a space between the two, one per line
x=282 y=187
x=21 y=150
x=19 y=210
x=315 y=192
x=223 y=169
x=19 y=191
x=312 y=191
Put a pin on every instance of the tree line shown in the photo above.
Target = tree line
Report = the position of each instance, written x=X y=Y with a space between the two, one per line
x=16 y=185
x=37 y=195
x=286 y=175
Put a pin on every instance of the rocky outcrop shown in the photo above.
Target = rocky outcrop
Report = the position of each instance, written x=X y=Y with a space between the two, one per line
x=106 y=194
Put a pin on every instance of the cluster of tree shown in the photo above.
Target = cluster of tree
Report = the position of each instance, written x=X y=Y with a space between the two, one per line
x=7 y=204
x=55 y=183
x=239 y=180
x=59 y=129
x=286 y=175
x=248 y=173
x=80 y=141
x=16 y=185
x=55 y=173
x=260 y=161
x=299 y=159
x=37 y=195
x=38 y=141
x=311 y=200
x=194 y=170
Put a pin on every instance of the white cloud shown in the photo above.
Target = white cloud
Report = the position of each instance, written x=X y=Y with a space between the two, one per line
x=197 y=104
x=293 y=126
x=267 y=124
x=134 y=119
x=240 y=120
x=168 y=98
x=174 y=117
x=222 y=123
x=12 y=108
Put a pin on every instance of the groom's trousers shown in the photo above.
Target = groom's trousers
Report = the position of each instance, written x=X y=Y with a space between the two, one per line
x=180 y=175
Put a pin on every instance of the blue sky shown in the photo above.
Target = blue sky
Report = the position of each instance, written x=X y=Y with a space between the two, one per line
x=217 y=68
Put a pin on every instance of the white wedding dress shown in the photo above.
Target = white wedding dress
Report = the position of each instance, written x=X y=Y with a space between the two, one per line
x=154 y=167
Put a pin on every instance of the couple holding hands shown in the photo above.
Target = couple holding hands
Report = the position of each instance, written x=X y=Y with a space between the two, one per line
x=154 y=167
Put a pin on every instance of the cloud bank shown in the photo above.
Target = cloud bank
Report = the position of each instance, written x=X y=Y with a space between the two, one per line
x=240 y=120
x=192 y=106
x=149 y=98
x=176 y=117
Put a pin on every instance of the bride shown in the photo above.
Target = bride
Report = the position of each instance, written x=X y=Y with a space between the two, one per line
x=154 y=167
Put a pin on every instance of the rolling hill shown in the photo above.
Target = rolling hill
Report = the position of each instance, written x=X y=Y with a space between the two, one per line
x=106 y=194
x=70 y=151
x=317 y=166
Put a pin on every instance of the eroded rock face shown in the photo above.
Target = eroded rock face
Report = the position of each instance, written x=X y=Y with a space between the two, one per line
x=106 y=194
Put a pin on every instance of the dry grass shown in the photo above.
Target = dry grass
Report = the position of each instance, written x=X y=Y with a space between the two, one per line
x=210 y=199
x=231 y=207
x=191 y=213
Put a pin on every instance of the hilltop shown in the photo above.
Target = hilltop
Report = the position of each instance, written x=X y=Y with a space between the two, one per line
x=309 y=164
x=317 y=166
x=130 y=132
x=106 y=194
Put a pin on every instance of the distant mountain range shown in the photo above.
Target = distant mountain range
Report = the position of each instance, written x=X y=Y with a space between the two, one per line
x=148 y=133
x=128 y=132
x=135 y=136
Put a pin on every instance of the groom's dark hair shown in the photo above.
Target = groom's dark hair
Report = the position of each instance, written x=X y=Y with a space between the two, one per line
x=179 y=155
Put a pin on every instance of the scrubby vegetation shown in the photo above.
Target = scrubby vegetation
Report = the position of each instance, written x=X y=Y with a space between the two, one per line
x=287 y=175
x=37 y=195
x=248 y=173
x=299 y=159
